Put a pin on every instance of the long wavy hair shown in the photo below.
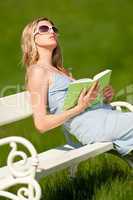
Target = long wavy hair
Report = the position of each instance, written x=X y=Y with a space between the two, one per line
x=30 y=54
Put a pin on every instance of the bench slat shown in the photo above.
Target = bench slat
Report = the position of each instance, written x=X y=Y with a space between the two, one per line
x=71 y=157
x=59 y=158
x=15 y=107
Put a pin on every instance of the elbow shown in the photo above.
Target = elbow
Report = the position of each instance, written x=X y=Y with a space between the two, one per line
x=41 y=129
x=41 y=125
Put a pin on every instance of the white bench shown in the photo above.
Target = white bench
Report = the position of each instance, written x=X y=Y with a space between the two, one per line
x=31 y=168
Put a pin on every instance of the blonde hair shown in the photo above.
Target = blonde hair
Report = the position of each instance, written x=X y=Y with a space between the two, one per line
x=30 y=54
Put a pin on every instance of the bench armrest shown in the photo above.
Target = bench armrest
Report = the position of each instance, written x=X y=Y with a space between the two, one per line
x=20 y=172
x=120 y=104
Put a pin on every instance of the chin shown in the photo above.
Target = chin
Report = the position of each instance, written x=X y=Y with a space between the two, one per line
x=53 y=45
x=49 y=46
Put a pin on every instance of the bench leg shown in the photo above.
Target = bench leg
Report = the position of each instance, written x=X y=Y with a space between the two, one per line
x=72 y=170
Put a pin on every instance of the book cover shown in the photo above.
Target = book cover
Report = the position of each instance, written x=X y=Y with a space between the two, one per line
x=75 y=88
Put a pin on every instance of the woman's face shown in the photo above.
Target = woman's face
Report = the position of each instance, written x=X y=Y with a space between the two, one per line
x=45 y=39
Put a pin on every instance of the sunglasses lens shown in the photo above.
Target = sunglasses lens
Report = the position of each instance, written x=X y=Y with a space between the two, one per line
x=43 y=29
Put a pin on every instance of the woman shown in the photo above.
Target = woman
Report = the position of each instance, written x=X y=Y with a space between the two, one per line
x=47 y=81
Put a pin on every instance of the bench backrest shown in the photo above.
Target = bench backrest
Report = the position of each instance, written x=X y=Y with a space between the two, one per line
x=15 y=107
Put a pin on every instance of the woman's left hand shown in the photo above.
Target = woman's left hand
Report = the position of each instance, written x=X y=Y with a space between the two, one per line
x=108 y=93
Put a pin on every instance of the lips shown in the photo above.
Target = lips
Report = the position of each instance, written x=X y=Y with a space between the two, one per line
x=52 y=37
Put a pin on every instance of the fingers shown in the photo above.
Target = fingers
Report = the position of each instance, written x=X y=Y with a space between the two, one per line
x=91 y=92
x=108 y=92
x=94 y=86
x=108 y=88
x=82 y=94
x=94 y=89
x=108 y=95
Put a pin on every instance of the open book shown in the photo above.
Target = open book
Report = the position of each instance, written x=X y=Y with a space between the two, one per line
x=75 y=88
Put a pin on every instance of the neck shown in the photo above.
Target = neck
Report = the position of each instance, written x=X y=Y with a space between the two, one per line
x=45 y=57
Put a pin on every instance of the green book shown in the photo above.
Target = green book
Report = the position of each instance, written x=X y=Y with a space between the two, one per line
x=75 y=87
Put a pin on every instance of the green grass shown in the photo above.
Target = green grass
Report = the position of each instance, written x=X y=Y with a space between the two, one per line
x=94 y=35
x=104 y=177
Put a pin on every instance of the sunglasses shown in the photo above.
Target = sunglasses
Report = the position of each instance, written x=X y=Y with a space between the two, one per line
x=44 y=29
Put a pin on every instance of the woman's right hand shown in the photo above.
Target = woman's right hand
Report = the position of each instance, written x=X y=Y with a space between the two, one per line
x=87 y=96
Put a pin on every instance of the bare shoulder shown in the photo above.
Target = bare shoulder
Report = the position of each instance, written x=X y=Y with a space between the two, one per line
x=32 y=69
x=37 y=71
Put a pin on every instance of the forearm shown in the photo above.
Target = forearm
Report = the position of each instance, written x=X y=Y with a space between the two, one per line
x=51 y=121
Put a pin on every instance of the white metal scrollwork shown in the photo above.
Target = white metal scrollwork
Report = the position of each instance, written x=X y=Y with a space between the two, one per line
x=21 y=172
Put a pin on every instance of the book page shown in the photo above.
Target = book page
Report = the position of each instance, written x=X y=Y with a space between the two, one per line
x=82 y=80
x=103 y=73
x=104 y=78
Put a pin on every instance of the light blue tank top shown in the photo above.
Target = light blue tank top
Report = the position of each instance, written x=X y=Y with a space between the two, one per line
x=57 y=92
